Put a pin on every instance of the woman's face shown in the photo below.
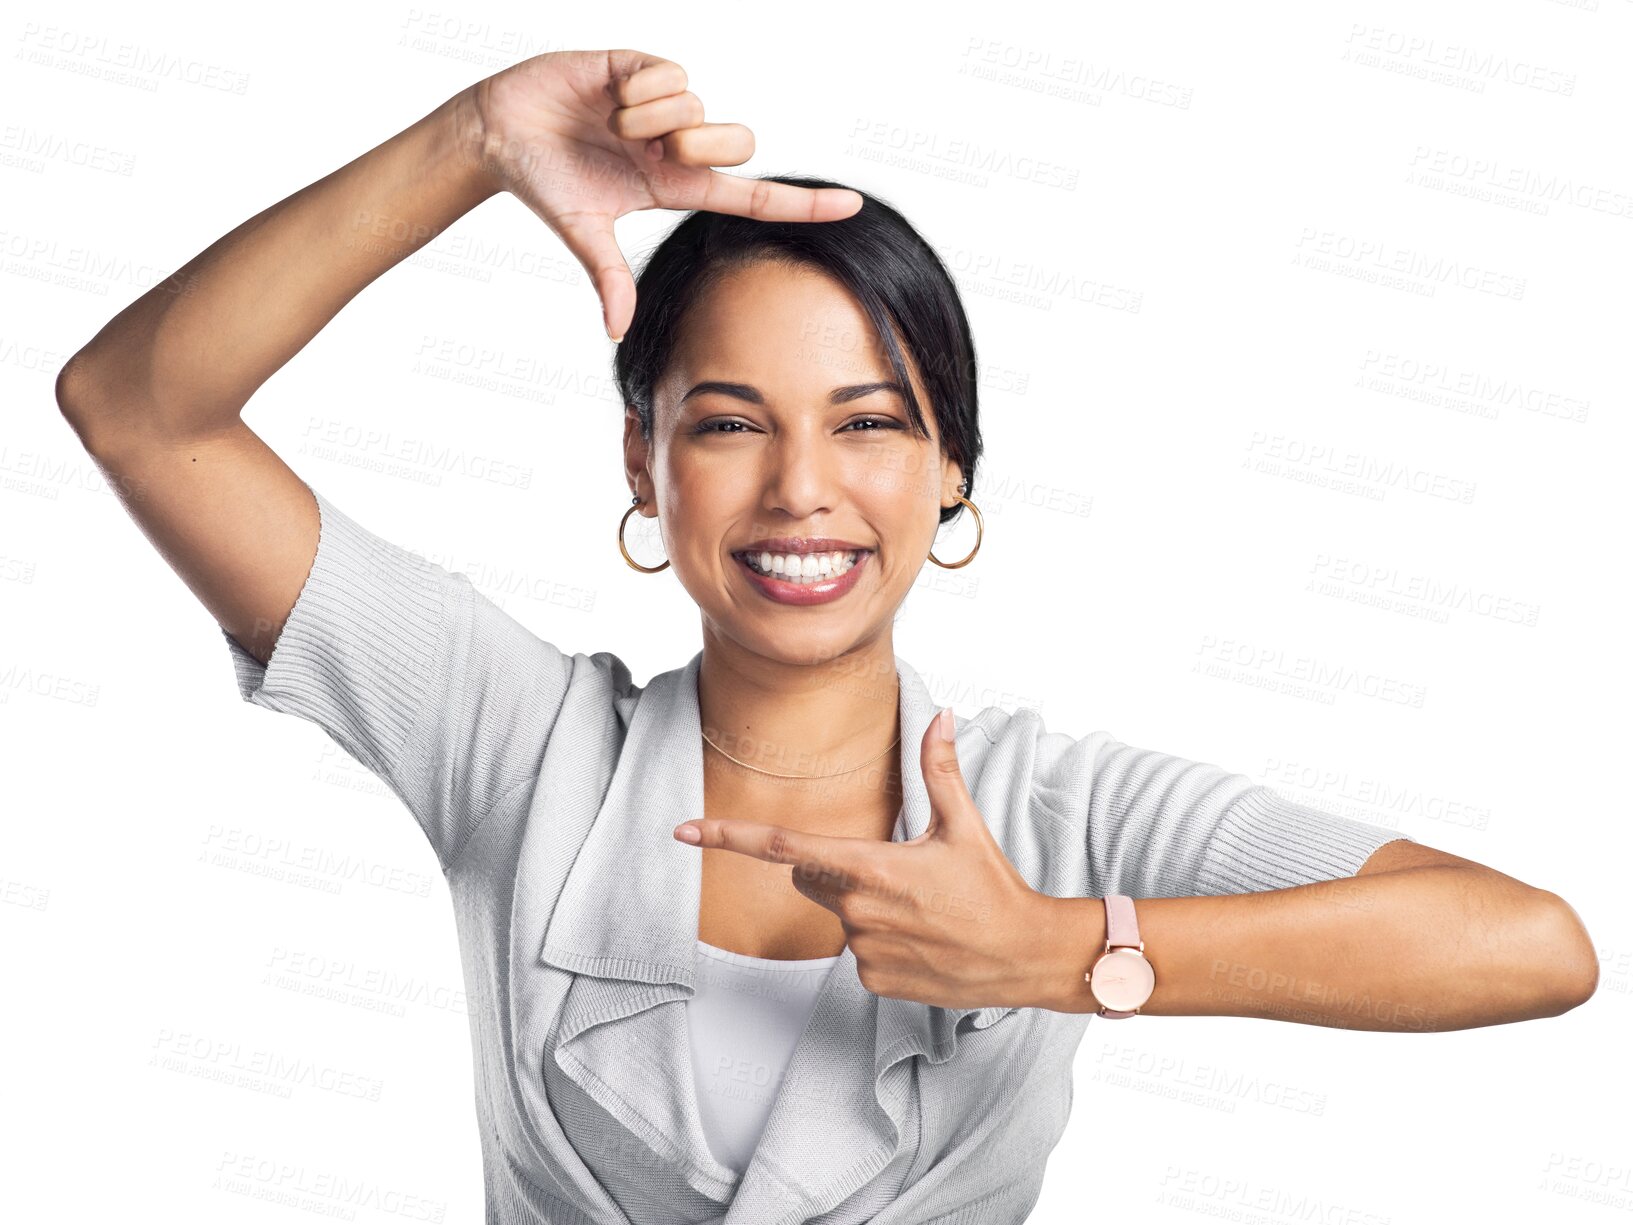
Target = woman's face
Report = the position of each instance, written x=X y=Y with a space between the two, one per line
x=765 y=426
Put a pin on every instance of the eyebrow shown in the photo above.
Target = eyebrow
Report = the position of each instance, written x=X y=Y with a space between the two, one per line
x=745 y=391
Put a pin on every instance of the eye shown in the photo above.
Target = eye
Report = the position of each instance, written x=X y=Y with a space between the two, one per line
x=720 y=425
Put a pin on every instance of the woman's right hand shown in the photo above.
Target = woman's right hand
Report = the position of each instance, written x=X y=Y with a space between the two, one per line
x=584 y=137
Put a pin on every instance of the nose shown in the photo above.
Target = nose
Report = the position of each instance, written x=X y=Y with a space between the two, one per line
x=803 y=478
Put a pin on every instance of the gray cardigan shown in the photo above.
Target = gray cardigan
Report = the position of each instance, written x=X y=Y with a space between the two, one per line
x=548 y=784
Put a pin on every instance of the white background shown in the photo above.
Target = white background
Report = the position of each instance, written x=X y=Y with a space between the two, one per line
x=1304 y=342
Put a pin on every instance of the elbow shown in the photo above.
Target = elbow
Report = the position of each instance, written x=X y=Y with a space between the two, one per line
x=85 y=406
x=1573 y=956
x=74 y=394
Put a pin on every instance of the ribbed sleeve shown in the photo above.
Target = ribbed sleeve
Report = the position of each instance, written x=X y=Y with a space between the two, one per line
x=418 y=676
x=362 y=646
x=1165 y=826
x=1266 y=841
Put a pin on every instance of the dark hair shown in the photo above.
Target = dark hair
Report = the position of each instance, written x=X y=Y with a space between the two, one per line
x=892 y=272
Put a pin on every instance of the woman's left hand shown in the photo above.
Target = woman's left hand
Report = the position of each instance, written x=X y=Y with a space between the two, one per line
x=943 y=918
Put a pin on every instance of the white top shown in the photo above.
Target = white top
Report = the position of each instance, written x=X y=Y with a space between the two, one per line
x=547 y=782
x=745 y=1019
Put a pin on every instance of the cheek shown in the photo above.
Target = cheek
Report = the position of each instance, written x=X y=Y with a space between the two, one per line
x=900 y=486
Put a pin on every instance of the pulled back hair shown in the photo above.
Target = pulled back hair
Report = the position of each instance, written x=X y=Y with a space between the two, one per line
x=893 y=274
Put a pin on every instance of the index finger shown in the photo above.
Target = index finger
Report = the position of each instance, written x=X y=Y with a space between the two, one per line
x=825 y=853
x=765 y=200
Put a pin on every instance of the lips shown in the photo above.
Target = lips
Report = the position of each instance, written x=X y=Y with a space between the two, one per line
x=817 y=591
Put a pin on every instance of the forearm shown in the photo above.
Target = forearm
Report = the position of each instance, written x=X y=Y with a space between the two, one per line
x=1421 y=949
x=182 y=360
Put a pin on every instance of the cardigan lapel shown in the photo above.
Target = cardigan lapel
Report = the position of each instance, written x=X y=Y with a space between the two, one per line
x=625 y=925
x=839 y=1117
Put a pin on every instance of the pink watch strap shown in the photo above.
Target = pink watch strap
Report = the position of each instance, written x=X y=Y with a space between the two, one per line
x=1122 y=928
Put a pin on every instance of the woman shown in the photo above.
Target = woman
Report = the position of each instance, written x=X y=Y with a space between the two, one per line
x=767 y=938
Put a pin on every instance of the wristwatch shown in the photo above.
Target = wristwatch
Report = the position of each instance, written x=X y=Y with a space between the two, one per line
x=1122 y=979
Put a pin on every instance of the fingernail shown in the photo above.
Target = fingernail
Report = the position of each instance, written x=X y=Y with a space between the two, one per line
x=688 y=833
x=946 y=717
x=654 y=149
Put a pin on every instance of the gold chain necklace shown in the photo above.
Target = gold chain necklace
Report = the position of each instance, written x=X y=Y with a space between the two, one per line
x=775 y=774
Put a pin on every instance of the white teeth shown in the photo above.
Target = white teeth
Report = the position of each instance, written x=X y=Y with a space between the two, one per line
x=802 y=568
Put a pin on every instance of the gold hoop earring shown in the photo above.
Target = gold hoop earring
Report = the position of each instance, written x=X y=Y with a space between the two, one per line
x=635 y=502
x=979 y=532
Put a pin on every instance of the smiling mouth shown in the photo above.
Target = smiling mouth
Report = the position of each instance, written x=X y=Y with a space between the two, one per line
x=802 y=568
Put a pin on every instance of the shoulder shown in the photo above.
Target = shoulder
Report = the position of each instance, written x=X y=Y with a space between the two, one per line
x=601 y=680
x=1032 y=786
x=1046 y=769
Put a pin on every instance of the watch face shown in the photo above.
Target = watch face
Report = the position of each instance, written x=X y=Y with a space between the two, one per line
x=1122 y=980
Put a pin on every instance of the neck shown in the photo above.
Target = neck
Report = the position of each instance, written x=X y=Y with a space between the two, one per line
x=806 y=719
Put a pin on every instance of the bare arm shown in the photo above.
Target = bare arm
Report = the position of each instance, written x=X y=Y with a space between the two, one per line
x=1417 y=941
x=156 y=395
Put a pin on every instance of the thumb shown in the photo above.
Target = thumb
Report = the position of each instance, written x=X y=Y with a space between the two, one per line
x=952 y=807
x=590 y=238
